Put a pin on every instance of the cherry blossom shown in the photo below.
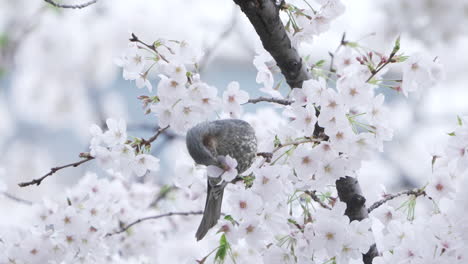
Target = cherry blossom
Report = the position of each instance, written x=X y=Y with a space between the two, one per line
x=143 y=163
x=227 y=171
x=233 y=97
x=285 y=208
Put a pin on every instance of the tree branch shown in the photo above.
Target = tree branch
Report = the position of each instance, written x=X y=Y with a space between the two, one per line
x=87 y=157
x=154 y=137
x=388 y=197
x=79 y=6
x=264 y=16
x=350 y=193
x=38 y=181
x=125 y=228
x=16 y=199
x=270 y=100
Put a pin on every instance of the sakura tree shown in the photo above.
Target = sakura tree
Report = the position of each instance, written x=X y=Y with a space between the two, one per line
x=300 y=202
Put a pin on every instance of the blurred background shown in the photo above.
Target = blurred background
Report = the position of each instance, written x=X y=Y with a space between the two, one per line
x=57 y=77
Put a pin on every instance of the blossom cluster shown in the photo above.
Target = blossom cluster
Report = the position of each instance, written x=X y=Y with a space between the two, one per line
x=438 y=235
x=117 y=154
x=285 y=209
x=182 y=99
x=273 y=209
x=311 y=20
x=74 y=228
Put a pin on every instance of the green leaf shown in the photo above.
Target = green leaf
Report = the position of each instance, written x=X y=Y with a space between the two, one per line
x=400 y=58
x=434 y=159
x=276 y=141
x=278 y=85
x=229 y=218
x=222 y=250
x=452 y=134
x=396 y=47
x=292 y=221
x=155 y=99
x=3 y=40
x=352 y=44
x=157 y=44
x=320 y=63
x=248 y=180
x=460 y=121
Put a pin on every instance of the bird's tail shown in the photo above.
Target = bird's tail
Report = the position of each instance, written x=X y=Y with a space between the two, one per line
x=214 y=200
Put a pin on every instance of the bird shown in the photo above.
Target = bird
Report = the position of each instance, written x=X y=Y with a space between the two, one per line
x=208 y=143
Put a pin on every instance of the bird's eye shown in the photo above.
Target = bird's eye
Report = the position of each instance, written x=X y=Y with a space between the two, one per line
x=209 y=141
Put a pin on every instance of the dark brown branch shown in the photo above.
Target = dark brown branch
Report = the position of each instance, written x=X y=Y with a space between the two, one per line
x=264 y=16
x=388 y=197
x=270 y=100
x=152 y=47
x=154 y=137
x=87 y=157
x=266 y=155
x=38 y=181
x=153 y=128
x=79 y=6
x=350 y=193
x=125 y=228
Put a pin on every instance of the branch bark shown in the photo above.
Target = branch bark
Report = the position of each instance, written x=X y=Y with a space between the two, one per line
x=264 y=16
x=87 y=157
x=270 y=100
x=350 y=193
x=388 y=197
x=38 y=181
x=125 y=228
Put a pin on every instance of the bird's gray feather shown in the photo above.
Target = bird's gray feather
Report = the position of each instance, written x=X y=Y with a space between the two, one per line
x=208 y=140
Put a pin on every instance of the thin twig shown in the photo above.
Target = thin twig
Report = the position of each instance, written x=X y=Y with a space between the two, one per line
x=38 y=181
x=134 y=38
x=165 y=190
x=270 y=100
x=389 y=60
x=314 y=197
x=79 y=6
x=269 y=155
x=343 y=42
x=87 y=157
x=123 y=229
x=154 y=137
x=298 y=142
x=388 y=197
x=223 y=36
x=17 y=199
x=152 y=128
